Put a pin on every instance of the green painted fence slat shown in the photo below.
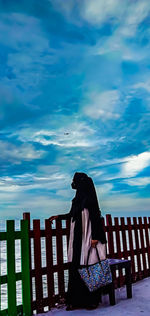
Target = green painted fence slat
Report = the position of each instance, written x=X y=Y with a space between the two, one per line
x=11 y=278
x=3 y=235
x=26 y=293
x=3 y=278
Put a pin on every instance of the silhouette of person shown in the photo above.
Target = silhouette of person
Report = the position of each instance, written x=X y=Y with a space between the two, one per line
x=86 y=232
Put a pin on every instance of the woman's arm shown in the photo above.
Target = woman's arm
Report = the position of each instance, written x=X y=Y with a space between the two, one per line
x=64 y=216
x=59 y=217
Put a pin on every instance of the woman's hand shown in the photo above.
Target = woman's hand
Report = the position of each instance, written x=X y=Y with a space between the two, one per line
x=94 y=243
x=52 y=218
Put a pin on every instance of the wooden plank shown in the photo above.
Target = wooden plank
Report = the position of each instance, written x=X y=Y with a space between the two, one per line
x=26 y=290
x=137 y=247
x=11 y=278
x=110 y=239
x=26 y=216
x=117 y=237
x=146 y=225
x=110 y=236
x=119 y=254
x=131 y=247
x=37 y=263
x=59 y=246
x=142 y=247
x=49 y=263
x=124 y=239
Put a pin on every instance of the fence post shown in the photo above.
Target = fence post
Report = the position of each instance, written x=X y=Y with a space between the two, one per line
x=131 y=248
x=11 y=277
x=124 y=239
x=59 y=246
x=49 y=261
x=38 y=268
x=137 y=247
x=110 y=235
x=25 y=257
x=26 y=215
x=146 y=226
x=144 y=272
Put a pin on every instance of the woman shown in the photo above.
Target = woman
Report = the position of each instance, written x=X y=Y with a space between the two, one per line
x=86 y=232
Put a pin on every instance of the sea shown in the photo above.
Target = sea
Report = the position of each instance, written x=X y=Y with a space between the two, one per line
x=3 y=262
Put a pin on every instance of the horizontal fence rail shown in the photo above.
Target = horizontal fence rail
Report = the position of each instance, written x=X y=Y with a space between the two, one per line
x=127 y=238
x=12 y=277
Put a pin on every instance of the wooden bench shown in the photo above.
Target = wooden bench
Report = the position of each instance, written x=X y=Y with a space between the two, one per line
x=117 y=264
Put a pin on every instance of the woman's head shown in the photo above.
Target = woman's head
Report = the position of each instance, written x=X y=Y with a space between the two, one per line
x=84 y=186
x=82 y=183
x=79 y=181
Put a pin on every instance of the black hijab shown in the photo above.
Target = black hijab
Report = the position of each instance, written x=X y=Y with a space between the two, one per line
x=85 y=195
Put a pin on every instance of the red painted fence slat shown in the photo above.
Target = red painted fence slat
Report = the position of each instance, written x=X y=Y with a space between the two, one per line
x=37 y=262
x=124 y=238
x=147 y=238
x=49 y=262
x=137 y=246
x=59 y=247
x=110 y=235
x=131 y=247
x=142 y=246
x=118 y=245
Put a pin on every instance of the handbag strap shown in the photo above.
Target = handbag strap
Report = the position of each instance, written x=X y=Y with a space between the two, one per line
x=96 y=253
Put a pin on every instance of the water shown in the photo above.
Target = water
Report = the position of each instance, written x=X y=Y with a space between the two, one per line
x=3 y=261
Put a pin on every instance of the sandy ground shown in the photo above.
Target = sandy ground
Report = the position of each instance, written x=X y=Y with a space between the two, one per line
x=138 y=305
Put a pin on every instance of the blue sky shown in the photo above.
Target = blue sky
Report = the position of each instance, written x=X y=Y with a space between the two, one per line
x=74 y=96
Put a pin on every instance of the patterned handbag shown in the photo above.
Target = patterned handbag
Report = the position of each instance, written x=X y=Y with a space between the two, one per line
x=96 y=275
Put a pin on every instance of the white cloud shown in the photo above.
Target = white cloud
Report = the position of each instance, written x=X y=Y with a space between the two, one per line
x=104 y=105
x=104 y=189
x=135 y=164
x=128 y=13
x=75 y=134
x=140 y=181
x=126 y=18
x=17 y=153
x=143 y=85
x=113 y=161
x=47 y=181
x=97 y=12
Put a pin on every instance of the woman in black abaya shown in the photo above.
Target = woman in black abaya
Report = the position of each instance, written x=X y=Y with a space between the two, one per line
x=86 y=232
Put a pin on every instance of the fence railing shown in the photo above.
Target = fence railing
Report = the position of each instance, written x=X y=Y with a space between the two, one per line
x=46 y=258
x=10 y=279
x=128 y=239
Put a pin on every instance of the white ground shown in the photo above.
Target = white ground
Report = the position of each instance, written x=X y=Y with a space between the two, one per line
x=138 y=305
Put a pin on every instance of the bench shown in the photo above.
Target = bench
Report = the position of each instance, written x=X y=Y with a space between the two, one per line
x=117 y=264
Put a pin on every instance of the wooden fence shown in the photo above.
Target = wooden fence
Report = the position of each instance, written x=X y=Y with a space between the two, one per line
x=12 y=277
x=128 y=239
x=47 y=262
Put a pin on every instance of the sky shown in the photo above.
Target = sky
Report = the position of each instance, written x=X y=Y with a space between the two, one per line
x=74 y=97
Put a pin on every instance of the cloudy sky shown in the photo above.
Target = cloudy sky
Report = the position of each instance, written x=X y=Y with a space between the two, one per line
x=74 y=96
